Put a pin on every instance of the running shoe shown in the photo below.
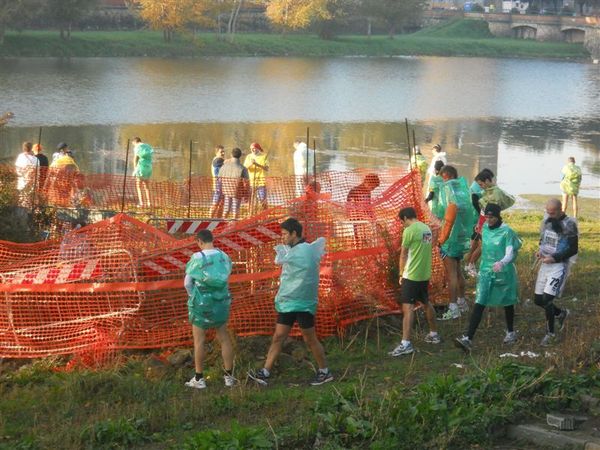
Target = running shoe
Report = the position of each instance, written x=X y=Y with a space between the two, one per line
x=402 y=349
x=548 y=340
x=259 y=376
x=464 y=343
x=230 y=380
x=196 y=384
x=322 y=378
x=511 y=337
x=561 y=318
x=451 y=314
x=433 y=338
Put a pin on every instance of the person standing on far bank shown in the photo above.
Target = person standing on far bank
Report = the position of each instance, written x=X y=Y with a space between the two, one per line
x=570 y=185
x=143 y=170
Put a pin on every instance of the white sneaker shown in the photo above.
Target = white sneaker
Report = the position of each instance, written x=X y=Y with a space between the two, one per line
x=451 y=314
x=548 y=340
x=433 y=338
x=402 y=350
x=230 y=380
x=511 y=337
x=196 y=384
x=463 y=306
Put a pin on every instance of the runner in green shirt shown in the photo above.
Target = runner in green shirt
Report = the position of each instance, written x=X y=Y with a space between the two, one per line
x=415 y=272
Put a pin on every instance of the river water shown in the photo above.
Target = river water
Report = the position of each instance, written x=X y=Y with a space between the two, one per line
x=520 y=118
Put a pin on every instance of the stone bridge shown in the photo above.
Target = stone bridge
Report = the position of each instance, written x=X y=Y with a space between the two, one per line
x=541 y=28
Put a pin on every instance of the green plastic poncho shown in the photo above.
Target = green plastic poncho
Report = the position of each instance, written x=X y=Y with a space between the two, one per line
x=143 y=168
x=299 y=283
x=494 y=194
x=498 y=288
x=456 y=191
x=571 y=179
x=208 y=306
x=435 y=185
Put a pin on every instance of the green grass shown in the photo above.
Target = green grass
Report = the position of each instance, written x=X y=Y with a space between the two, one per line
x=589 y=208
x=458 y=38
x=422 y=401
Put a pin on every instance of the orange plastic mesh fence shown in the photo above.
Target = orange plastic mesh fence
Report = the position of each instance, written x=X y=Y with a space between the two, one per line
x=118 y=283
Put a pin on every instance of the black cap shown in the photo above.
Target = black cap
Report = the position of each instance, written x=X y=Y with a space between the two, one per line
x=491 y=209
x=438 y=164
x=61 y=146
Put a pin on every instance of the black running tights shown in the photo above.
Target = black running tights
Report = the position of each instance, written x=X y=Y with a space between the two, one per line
x=509 y=314
x=546 y=301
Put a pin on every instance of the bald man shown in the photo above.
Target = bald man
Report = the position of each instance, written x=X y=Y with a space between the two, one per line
x=559 y=240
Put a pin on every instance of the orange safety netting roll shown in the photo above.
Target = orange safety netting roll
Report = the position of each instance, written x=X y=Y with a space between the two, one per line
x=118 y=283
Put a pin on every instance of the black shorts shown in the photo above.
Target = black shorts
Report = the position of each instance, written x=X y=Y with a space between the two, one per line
x=305 y=319
x=414 y=291
x=476 y=236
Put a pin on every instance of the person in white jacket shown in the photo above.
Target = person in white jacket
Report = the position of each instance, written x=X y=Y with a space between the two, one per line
x=438 y=155
x=301 y=156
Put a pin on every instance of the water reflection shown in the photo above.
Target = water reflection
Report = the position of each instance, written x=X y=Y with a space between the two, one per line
x=526 y=155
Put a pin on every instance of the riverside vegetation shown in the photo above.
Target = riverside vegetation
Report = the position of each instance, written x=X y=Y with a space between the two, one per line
x=456 y=38
x=436 y=398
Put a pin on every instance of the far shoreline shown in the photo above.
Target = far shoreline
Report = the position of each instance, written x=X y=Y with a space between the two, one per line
x=149 y=44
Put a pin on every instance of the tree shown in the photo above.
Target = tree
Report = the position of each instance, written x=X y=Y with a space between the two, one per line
x=13 y=13
x=300 y=14
x=395 y=14
x=65 y=13
x=166 y=15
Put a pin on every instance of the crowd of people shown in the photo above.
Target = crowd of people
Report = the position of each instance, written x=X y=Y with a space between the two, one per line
x=471 y=224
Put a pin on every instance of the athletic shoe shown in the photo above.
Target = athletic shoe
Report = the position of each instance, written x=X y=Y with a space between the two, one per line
x=402 y=349
x=196 y=384
x=548 y=340
x=562 y=317
x=451 y=314
x=322 y=378
x=471 y=270
x=463 y=307
x=511 y=337
x=433 y=338
x=259 y=376
x=230 y=381
x=464 y=343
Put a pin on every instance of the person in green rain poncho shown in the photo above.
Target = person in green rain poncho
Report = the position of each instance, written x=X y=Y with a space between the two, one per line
x=455 y=237
x=570 y=185
x=434 y=187
x=142 y=170
x=419 y=162
x=207 y=284
x=296 y=299
x=497 y=284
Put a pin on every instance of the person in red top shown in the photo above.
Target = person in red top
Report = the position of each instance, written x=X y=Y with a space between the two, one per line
x=360 y=209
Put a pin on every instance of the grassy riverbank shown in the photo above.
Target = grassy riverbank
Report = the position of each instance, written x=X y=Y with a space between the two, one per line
x=462 y=38
x=438 y=398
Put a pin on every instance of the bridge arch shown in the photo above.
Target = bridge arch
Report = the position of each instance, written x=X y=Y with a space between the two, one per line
x=524 y=32
x=573 y=34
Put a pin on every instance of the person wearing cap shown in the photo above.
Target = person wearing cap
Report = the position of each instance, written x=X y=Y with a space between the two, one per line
x=570 y=185
x=61 y=149
x=60 y=184
x=497 y=284
x=143 y=170
x=438 y=155
x=257 y=163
